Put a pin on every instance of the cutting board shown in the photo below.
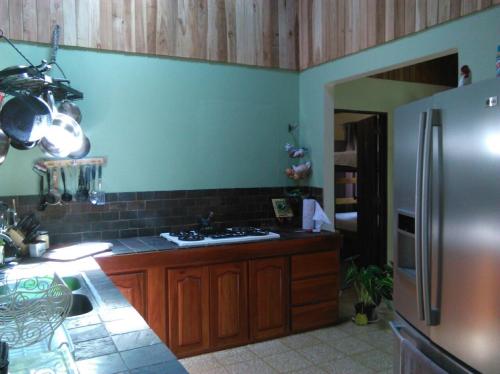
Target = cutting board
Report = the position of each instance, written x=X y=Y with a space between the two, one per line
x=77 y=251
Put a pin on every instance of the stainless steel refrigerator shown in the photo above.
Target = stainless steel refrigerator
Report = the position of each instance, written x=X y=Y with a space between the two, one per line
x=447 y=231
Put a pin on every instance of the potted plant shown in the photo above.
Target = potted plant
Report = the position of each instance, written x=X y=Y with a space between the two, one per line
x=372 y=285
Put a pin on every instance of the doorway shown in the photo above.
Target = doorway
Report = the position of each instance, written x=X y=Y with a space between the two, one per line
x=361 y=185
x=380 y=93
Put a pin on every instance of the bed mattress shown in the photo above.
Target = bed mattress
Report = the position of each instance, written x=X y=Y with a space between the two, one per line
x=346 y=221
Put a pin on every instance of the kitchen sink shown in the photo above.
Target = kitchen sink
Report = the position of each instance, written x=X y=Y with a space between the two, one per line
x=81 y=305
x=83 y=298
x=72 y=282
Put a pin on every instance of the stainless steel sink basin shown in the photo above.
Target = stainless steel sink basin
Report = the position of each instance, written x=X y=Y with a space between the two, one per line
x=73 y=283
x=81 y=305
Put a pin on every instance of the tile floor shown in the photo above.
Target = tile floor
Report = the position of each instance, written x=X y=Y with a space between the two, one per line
x=341 y=349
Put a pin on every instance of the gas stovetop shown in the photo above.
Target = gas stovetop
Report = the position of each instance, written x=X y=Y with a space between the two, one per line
x=192 y=238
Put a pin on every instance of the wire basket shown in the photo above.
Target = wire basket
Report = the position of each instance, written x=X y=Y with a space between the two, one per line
x=32 y=308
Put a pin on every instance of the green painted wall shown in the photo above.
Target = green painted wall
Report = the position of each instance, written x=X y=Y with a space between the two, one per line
x=474 y=37
x=170 y=124
x=380 y=95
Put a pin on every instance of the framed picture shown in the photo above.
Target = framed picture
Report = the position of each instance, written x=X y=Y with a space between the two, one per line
x=282 y=208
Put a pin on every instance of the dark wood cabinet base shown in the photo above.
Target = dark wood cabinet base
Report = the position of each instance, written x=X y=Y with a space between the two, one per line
x=209 y=298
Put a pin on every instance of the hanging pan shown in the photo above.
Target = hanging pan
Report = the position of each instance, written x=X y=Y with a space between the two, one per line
x=25 y=118
x=63 y=136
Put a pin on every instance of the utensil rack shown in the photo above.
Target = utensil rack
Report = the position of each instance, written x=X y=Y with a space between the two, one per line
x=48 y=164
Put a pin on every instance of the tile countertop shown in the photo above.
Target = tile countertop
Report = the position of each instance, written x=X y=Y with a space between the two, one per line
x=113 y=337
x=157 y=243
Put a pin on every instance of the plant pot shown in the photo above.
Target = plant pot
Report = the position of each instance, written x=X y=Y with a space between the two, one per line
x=369 y=310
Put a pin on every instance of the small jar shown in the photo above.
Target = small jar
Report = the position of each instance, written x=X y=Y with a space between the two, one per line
x=44 y=237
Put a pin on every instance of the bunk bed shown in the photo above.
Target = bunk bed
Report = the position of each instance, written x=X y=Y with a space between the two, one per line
x=346 y=213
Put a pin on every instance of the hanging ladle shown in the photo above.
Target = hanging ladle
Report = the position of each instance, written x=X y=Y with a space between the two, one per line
x=66 y=196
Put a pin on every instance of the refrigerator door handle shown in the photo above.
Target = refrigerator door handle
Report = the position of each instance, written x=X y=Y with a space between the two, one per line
x=418 y=214
x=430 y=316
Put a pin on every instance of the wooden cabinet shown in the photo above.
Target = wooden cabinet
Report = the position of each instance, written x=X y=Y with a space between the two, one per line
x=211 y=298
x=314 y=290
x=268 y=297
x=228 y=305
x=133 y=287
x=188 y=310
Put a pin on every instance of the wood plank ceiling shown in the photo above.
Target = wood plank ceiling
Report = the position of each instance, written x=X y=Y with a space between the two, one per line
x=287 y=34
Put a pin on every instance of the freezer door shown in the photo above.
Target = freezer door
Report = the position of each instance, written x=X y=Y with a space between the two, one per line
x=427 y=357
x=464 y=255
x=408 y=138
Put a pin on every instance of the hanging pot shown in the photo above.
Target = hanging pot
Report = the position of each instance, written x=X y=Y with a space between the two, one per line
x=4 y=146
x=22 y=146
x=13 y=73
x=25 y=118
x=83 y=151
x=63 y=136
x=71 y=109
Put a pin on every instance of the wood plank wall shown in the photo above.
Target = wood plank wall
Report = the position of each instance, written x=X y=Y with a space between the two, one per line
x=331 y=29
x=249 y=32
x=441 y=71
x=288 y=34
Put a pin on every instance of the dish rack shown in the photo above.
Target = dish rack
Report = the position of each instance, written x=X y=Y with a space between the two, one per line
x=32 y=308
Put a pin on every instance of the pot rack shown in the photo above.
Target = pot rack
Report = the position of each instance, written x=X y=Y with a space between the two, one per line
x=36 y=81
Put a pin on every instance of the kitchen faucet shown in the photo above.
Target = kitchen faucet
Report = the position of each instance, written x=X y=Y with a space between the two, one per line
x=7 y=239
x=205 y=223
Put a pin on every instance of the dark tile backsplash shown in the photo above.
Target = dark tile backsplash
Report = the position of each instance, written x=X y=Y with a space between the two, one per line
x=130 y=214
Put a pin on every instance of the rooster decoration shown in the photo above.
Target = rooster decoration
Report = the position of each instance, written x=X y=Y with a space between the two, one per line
x=295 y=152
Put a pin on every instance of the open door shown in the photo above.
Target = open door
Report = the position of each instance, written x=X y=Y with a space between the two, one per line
x=372 y=189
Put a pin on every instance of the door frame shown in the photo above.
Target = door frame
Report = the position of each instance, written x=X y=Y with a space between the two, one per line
x=383 y=124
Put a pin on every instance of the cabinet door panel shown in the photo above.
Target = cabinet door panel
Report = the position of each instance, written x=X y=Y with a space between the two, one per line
x=315 y=264
x=314 y=290
x=308 y=317
x=133 y=288
x=269 y=290
x=228 y=309
x=188 y=295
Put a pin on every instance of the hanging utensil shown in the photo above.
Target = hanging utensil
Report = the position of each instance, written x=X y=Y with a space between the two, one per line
x=4 y=146
x=88 y=180
x=55 y=184
x=50 y=198
x=101 y=195
x=93 y=192
x=66 y=196
x=82 y=193
x=42 y=203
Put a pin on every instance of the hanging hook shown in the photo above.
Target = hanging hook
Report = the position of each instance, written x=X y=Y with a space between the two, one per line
x=292 y=127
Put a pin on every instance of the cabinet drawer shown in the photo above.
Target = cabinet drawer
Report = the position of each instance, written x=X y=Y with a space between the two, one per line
x=309 y=317
x=314 y=290
x=314 y=264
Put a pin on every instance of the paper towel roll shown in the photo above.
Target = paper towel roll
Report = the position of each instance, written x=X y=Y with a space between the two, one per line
x=308 y=206
x=319 y=217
